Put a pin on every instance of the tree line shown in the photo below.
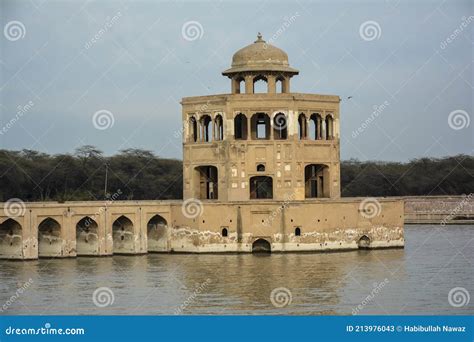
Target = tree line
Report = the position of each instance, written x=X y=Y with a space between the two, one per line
x=136 y=174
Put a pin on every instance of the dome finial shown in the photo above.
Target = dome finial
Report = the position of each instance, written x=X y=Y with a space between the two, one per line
x=259 y=38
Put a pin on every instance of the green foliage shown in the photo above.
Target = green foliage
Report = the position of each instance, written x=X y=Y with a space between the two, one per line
x=425 y=176
x=132 y=174
x=136 y=174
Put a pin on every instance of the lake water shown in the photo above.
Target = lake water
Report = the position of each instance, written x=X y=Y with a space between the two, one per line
x=414 y=280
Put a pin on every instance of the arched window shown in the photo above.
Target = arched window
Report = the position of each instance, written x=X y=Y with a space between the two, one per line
x=206 y=182
x=157 y=238
x=329 y=127
x=260 y=168
x=297 y=231
x=206 y=128
x=193 y=129
x=123 y=237
x=260 y=126
x=239 y=85
x=315 y=127
x=219 y=128
x=316 y=178
x=49 y=238
x=260 y=84
x=302 y=130
x=261 y=187
x=240 y=127
x=280 y=126
x=279 y=84
x=225 y=233
x=11 y=240
x=87 y=237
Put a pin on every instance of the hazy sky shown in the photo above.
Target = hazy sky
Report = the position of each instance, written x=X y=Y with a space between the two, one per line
x=415 y=57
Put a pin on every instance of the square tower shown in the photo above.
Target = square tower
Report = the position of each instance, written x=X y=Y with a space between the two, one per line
x=247 y=146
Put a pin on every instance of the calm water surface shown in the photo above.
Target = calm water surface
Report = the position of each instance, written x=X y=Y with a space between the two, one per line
x=414 y=280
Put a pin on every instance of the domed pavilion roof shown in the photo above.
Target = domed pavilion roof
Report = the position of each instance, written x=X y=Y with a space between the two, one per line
x=260 y=56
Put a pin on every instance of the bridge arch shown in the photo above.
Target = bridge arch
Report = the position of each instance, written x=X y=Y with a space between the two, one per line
x=87 y=237
x=261 y=246
x=157 y=234
x=123 y=236
x=363 y=242
x=49 y=238
x=11 y=239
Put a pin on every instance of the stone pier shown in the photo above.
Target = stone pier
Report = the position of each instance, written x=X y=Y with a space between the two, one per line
x=73 y=229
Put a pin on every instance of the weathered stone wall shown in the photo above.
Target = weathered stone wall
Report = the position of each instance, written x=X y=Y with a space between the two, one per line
x=439 y=210
x=127 y=227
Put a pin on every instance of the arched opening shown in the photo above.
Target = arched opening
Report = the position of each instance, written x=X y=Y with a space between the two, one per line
x=11 y=240
x=193 y=129
x=280 y=126
x=279 y=84
x=302 y=129
x=225 y=233
x=316 y=178
x=329 y=127
x=315 y=127
x=157 y=234
x=260 y=84
x=122 y=233
x=261 y=246
x=206 y=128
x=261 y=187
x=219 y=128
x=297 y=231
x=87 y=237
x=49 y=238
x=364 y=242
x=260 y=126
x=206 y=180
x=239 y=86
x=260 y=168
x=240 y=127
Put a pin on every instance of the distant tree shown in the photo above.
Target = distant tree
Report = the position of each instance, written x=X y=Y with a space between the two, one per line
x=140 y=174
x=424 y=176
